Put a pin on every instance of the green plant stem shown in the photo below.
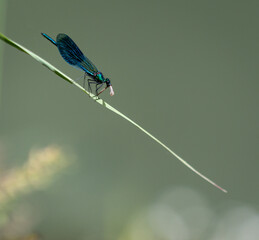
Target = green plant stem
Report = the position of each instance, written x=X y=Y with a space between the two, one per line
x=105 y=104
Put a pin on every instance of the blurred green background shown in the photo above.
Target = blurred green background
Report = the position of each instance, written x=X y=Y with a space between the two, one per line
x=187 y=71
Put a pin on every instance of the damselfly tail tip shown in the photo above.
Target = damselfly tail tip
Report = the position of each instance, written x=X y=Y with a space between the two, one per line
x=111 y=91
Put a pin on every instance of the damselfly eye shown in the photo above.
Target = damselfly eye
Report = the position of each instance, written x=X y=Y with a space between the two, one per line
x=108 y=82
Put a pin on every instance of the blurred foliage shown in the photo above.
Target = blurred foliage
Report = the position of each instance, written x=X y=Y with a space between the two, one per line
x=36 y=173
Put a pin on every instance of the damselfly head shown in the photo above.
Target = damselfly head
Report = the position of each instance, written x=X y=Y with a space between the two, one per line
x=108 y=84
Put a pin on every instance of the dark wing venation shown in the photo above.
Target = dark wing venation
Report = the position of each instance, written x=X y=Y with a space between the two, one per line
x=87 y=64
x=73 y=55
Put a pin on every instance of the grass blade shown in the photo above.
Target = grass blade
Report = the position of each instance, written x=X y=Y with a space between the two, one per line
x=105 y=104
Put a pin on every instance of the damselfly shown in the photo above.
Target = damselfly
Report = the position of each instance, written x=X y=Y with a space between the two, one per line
x=73 y=55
